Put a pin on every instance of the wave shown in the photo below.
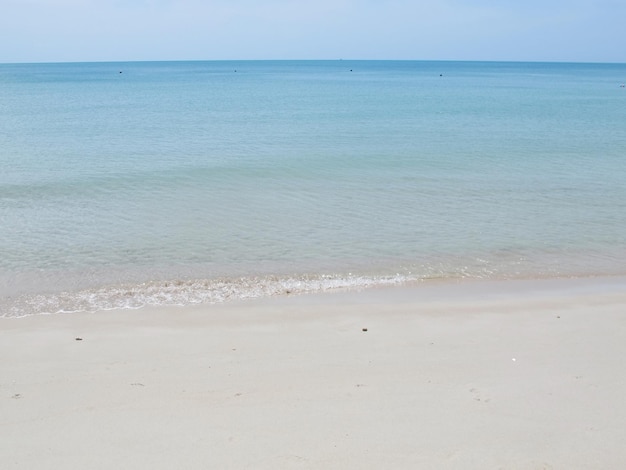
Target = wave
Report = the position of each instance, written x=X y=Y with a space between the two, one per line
x=186 y=292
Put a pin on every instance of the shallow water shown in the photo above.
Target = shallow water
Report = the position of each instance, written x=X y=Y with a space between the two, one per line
x=180 y=182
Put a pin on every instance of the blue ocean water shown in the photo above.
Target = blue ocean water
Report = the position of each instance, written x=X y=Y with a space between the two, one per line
x=128 y=184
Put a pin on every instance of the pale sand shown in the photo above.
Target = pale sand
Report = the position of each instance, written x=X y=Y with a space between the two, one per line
x=526 y=375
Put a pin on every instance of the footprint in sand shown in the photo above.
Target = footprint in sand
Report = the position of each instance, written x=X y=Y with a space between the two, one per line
x=478 y=396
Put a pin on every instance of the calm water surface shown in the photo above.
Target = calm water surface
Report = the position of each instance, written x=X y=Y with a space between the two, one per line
x=126 y=184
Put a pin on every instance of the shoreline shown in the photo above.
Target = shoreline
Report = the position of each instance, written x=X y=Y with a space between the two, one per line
x=488 y=374
x=188 y=292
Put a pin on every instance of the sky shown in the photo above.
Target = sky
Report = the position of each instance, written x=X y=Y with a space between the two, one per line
x=126 y=30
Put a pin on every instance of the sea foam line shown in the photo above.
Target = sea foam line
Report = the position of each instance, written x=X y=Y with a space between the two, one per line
x=187 y=292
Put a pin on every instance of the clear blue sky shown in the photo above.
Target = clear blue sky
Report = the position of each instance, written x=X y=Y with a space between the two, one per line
x=118 y=30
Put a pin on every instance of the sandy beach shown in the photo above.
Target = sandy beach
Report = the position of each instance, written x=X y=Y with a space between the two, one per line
x=473 y=375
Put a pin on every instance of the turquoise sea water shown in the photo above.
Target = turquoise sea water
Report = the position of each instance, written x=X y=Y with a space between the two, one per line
x=126 y=184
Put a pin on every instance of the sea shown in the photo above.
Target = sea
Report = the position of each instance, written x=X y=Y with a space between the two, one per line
x=133 y=184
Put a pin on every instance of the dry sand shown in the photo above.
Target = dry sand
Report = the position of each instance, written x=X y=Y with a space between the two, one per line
x=488 y=375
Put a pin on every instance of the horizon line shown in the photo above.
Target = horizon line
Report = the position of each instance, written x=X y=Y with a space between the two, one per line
x=128 y=61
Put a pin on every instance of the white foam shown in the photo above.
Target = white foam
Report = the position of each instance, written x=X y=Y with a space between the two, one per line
x=187 y=292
